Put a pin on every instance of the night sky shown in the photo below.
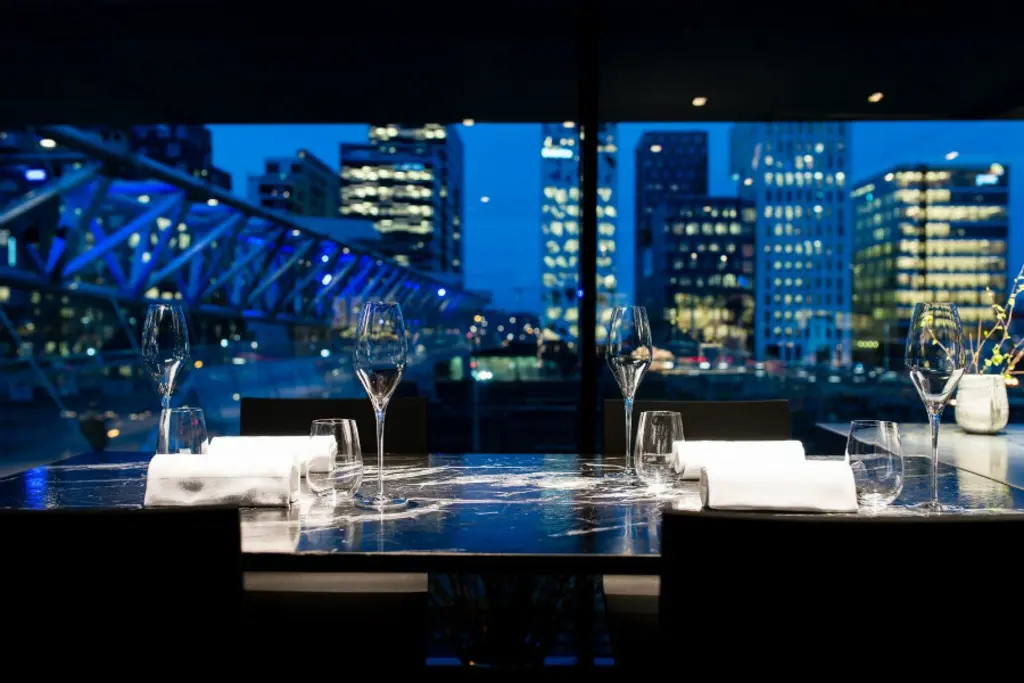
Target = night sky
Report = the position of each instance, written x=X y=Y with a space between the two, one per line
x=502 y=237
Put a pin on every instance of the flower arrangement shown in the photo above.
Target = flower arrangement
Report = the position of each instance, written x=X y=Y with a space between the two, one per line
x=996 y=351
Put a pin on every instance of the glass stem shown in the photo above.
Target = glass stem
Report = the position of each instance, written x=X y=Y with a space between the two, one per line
x=380 y=453
x=935 y=419
x=163 y=436
x=630 y=465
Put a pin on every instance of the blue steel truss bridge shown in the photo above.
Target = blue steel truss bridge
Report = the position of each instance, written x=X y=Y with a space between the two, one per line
x=271 y=302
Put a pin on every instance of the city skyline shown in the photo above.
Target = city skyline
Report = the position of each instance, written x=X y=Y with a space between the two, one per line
x=503 y=165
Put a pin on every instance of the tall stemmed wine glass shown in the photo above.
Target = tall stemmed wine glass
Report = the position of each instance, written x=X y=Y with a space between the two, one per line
x=629 y=354
x=164 y=353
x=936 y=360
x=379 y=361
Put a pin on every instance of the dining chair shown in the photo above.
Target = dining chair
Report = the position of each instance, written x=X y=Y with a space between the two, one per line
x=128 y=577
x=790 y=590
x=704 y=420
x=405 y=430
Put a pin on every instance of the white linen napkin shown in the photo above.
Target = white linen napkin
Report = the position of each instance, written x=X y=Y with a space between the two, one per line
x=692 y=456
x=808 y=486
x=319 y=451
x=243 y=479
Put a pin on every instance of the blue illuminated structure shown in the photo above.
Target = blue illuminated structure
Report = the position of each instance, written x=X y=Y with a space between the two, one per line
x=176 y=237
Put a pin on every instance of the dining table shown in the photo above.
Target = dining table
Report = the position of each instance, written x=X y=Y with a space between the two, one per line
x=481 y=512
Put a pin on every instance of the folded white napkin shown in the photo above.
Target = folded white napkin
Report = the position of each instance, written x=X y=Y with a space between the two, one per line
x=808 y=486
x=692 y=456
x=246 y=480
x=319 y=452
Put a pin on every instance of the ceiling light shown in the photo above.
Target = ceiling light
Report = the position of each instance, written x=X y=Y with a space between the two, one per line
x=875 y=97
x=700 y=101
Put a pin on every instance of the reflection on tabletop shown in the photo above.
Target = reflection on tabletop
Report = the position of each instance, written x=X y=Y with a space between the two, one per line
x=482 y=503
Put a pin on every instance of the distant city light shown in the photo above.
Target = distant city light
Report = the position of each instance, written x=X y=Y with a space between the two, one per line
x=468 y=122
x=724 y=258
x=113 y=433
x=579 y=293
x=441 y=291
x=90 y=351
x=556 y=153
x=212 y=202
x=295 y=233
x=326 y=279
x=224 y=343
x=748 y=181
x=888 y=177
x=324 y=353
x=485 y=199
x=952 y=155
x=255 y=345
x=47 y=143
x=35 y=174
x=996 y=169
x=655 y=148
x=198 y=364
x=875 y=97
x=700 y=101
x=325 y=258
x=143 y=199
x=569 y=124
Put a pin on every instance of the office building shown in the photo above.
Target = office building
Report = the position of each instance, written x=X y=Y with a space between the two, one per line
x=409 y=180
x=188 y=148
x=696 y=272
x=926 y=234
x=795 y=175
x=560 y=227
x=669 y=165
x=302 y=185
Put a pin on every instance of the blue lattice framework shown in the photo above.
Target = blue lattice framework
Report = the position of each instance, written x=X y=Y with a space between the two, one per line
x=173 y=235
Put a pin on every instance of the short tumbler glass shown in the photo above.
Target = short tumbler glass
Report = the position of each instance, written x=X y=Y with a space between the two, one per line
x=874 y=453
x=656 y=447
x=186 y=431
x=346 y=475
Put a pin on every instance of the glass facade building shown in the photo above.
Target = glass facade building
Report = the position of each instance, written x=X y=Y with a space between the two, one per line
x=926 y=233
x=302 y=185
x=696 y=272
x=560 y=227
x=409 y=180
x=795 y=174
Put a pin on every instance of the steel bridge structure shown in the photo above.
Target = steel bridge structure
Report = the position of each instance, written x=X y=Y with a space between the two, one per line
x=107 y=227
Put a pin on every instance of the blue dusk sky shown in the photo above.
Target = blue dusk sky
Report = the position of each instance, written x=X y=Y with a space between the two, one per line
x=503 y=163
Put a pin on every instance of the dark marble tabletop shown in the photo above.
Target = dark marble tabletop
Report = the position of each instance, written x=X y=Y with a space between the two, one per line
x=468 y=512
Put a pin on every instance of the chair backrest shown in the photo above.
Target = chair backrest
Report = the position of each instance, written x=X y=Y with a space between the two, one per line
x=704 y=420
x=121 y=574
x=405 y=430
x=803 y=587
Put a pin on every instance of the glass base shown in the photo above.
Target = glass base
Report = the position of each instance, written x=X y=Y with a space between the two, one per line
x=382 y=503
x=934 y=507
x=625 y=478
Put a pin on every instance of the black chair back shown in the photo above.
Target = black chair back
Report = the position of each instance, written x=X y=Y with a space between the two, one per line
x=704 y=420
x=786 y=590
x=405 y=430
x=121 y=576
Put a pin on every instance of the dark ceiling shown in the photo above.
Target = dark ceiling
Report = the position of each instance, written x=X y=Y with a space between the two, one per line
x=504 y=60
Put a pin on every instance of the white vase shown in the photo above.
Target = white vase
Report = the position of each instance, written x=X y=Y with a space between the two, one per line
x=981 y=404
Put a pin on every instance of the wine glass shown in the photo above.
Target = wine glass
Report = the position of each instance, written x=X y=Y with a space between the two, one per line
x=379 y=361
x=936 y=360
x=629 y=354
x=164 y=353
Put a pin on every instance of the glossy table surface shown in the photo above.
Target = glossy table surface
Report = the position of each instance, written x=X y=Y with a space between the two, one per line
x=475 y=512
x=997 y=456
